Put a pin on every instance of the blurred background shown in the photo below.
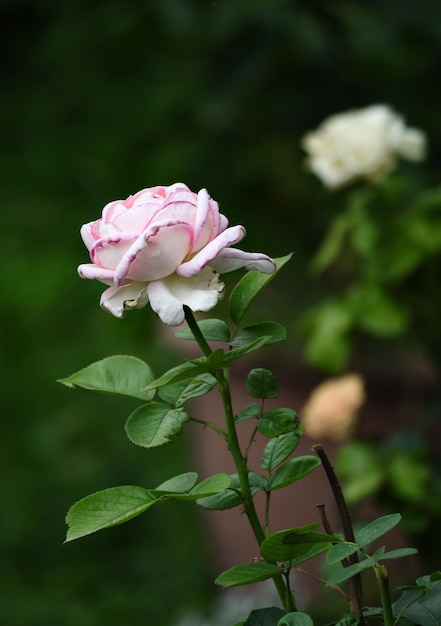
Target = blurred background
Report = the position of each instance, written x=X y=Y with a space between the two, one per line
x=101 y=99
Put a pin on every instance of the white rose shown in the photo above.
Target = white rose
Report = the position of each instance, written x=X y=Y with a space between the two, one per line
x=361 y=143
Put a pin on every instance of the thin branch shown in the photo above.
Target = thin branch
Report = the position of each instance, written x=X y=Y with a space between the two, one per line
x=354 y=583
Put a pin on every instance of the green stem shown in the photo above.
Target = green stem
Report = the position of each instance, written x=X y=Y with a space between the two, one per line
x=383 y=585
x=197 y=334
x=217 y=429
x=240 y=462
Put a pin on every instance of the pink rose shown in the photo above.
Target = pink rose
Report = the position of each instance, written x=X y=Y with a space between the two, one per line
x=164 y=245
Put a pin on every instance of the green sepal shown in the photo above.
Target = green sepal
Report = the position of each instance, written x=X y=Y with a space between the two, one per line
x=107 y=508
x=277 y=422
x=293 y=470
x=261 y=383
x=211 y=329
x=120 y=374
x=154 y=424
x=278 y=450
x=248 y=288
x=276 y=332
x=247 y=574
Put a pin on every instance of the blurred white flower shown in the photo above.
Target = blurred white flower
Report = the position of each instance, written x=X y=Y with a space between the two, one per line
x=362 y=143
x=331 y=409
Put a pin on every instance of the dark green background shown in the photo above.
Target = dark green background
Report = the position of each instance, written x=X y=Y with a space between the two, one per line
x=101 y=99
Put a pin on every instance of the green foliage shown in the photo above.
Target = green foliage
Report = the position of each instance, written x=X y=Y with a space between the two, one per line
x=264 y=617
x=422 y=604
x=274 y=331
x=122 y=375
x=212 y=330
x=154 y=424
x=365 y=537
x=117 y=505
x=278 y=449
x=247 y=574
x=231 y=497
x=248 y=288
x=177 y=118
x=277 y=422
x=295 y=619
x=261 y=383
x=293 y=470
x=296 y=545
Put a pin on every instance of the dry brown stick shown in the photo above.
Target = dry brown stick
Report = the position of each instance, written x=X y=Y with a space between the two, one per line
x=354 y=582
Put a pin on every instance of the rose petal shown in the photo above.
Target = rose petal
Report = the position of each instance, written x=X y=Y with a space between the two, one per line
x=93 y=272
x=168 y=296
x=156 y=253
x=109 y=250
x=231 y=259
x=211 y=251
x=116 y=300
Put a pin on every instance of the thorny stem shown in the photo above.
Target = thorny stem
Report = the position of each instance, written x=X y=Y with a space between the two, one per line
x=217 y=429
x=354 y=583
x=240 y=462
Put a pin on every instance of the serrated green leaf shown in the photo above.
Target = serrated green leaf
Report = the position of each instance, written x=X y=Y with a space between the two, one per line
x=247 y=574
x=296 y=619
x=277 y=422
x=107 y=508
x=230 y=498
x=171 y=392
x=211 y=329
x=278 y=450
x=248 y=288
x=178 y=484
x=122 y=375
x=237 y=353
x=199 y=386
x=261 y=383
x=347 y=572
x=377 y=528
x=179 y=373
x=293 y=470
x=154 y=424
x=251 y=411
x=208 y=487
x=275 y=331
